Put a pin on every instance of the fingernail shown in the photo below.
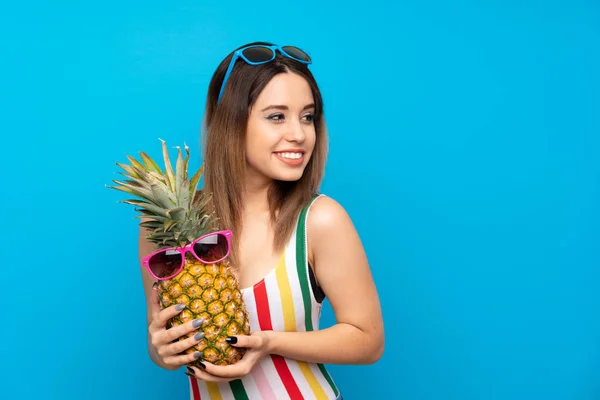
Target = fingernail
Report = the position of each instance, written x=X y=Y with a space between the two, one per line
x=202 y=365
x=197 y=323
x=197 y=355
x=190 y=372
x=231 y=340
x=179 y=307
x=199 y=336
x=155 y=285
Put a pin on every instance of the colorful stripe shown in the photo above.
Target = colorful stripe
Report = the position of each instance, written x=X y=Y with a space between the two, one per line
x=265 y=367
x=321 y=379
x=282 y=301
x=262 y=307
x=328 y=378
x=297 y=304
x=312 y=381
x=273 y=377
x=302 y=267
x=289 y=322
x=285 y=294
x=213 y=391
x=262 y=383
x=195 y=389
x=237 y=388
x=264 y=319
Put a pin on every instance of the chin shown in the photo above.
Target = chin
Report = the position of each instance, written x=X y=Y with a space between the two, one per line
x=279 y=172
x=288 y=176
x=285 y=174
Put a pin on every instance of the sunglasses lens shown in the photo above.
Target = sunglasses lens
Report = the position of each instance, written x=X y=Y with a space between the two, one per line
x=165 y=263
x=258 y=54
x=212 y=248
x=296 y=53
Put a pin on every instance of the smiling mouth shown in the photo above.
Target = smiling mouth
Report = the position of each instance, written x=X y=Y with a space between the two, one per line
x=290 y=155
x=293 y=158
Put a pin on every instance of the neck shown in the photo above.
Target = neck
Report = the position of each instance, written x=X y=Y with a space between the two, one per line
x=255 y=196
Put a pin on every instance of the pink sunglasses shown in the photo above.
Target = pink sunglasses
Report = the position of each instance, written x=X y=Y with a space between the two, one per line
x=166 y=263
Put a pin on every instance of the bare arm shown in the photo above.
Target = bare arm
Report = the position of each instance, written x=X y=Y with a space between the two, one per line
x=342 y=270
x=144 y=248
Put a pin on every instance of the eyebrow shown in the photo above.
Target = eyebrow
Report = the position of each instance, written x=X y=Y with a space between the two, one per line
x=282 y=107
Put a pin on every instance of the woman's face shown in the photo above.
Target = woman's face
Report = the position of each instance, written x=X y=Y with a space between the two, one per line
x=280 y=135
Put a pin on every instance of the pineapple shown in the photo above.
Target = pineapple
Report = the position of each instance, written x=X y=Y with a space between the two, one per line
x=176 y=214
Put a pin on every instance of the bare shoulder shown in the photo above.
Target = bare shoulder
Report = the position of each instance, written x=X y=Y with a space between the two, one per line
x=327 y=215
x=329 y=228
x=342 y=270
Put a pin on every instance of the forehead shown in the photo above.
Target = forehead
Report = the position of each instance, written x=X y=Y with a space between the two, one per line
x=286 y=89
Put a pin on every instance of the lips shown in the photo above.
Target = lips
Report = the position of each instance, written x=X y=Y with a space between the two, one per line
x=290 y=157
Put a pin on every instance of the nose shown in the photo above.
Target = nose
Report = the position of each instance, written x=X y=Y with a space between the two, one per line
x=295 y=132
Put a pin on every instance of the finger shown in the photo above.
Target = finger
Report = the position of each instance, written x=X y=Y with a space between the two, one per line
x=160 y=320
x=250 y=342
x=205 y=376
x=178 y=331
x=180 y=346
x=154 y=303
x=179 y=359
x=172 y=334
x=239 y=369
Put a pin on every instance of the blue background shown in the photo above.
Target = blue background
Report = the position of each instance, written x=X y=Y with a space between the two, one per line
x=464 y=144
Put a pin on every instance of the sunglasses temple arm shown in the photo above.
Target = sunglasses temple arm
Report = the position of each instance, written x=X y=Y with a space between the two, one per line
x=231 y=64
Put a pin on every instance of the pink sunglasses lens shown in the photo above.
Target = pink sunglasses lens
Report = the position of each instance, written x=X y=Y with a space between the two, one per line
x=165 y=263
x=212 y=248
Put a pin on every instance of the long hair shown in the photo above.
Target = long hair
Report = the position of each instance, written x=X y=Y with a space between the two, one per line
x=224 y=158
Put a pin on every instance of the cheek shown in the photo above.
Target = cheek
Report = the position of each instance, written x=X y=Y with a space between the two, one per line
x=252 y=151
x=259 y=146
x=311 y=139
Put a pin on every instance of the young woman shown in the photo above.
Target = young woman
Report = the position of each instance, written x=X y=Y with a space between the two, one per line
x=264 y=157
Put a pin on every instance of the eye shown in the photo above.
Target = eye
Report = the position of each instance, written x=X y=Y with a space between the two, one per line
x=275 y=117
x=309 y=118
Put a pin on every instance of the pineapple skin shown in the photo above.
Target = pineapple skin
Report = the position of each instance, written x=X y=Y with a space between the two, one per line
x=175 y=214
x=210 y=292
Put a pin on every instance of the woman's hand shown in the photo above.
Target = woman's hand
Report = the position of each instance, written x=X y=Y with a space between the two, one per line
x=170 y=351
x=257 y=347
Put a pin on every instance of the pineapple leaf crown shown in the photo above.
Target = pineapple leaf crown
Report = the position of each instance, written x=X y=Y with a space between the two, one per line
x=173 y=210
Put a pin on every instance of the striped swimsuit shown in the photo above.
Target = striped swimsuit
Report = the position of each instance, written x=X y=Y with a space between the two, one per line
x=286 y=299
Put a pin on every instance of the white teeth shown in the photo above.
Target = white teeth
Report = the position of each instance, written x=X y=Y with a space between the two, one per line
x=290 y=155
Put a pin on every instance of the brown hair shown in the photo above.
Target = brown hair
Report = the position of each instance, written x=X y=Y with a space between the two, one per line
x=224 y=155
